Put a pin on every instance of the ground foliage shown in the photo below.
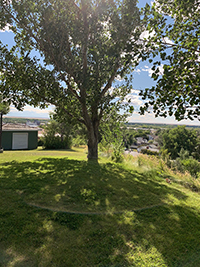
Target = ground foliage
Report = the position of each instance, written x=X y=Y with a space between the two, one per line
x=164 y=235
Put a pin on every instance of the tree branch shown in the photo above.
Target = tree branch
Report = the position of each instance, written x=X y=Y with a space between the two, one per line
x=77 y=8
x=84 y=46
x=109 y=83
x=172 y=45
x=70 y=115
x=70 y=87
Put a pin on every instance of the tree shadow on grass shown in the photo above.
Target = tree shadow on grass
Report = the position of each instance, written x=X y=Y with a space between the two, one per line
x=84 y=186
x=46 y=237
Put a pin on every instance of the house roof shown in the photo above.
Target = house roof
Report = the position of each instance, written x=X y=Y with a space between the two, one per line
x=18 y=127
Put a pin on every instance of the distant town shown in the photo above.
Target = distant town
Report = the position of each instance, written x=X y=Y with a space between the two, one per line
x=137 y=137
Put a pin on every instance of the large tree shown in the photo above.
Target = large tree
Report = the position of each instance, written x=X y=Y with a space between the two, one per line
x=84 y=45
x=174 y=35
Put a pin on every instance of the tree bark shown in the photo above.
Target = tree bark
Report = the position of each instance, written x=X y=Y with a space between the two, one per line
x=93 y=141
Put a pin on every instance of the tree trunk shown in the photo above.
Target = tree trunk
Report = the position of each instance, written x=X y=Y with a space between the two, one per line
x=92 y=124
x=93 y=142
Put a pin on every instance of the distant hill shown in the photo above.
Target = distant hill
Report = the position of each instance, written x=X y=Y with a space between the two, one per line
x=157 y=125
x=130 y=124
x=23 y=120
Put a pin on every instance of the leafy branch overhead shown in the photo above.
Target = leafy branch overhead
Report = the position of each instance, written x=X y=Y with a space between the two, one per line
x=174 y=36
x=83 y=46
x=4 y=107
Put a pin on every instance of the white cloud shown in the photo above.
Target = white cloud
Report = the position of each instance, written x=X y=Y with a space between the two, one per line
x=118 y=78
x=123 y=55
x=6 y=28
x=150 y=118
x=111 y=90
x=137 y=70
x=157 y=5
x=105 y=25
x=141 y=118
x=167 y=41
x=150 y=71
x=198 y=56
x=135 y=91
x=146 y=34
x=133 y=98
x=30 y=112
x=36 y=110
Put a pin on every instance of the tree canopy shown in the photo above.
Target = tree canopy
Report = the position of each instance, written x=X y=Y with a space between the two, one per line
x=174 y=35
x=4 y=107
x=180 y=138
x=83 y=45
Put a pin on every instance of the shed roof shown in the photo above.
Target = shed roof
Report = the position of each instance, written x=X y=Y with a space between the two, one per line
x=18 y=127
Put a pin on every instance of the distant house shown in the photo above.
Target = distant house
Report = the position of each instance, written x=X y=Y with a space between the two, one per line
x=31 y=124
x=19 y=136
x=150 y=137
x=141 y=140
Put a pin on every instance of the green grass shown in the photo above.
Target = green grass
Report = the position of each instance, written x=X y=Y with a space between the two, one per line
x=57 y=209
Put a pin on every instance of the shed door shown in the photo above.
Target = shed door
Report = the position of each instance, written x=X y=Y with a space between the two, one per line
x=20 y=141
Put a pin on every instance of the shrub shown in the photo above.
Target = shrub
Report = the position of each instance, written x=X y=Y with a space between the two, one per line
x=149 y=152
x=184 y=154
x=192 y=166
x=114 y=148
x=177 y=165
x=117 y=154
x=166 y=157
x=40 y=142
x=55 y=142
x=78 y=141
x=179 y=140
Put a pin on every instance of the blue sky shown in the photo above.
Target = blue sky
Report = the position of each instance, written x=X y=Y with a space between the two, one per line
x=142 y=79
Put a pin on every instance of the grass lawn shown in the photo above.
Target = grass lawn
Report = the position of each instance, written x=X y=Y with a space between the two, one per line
x=57 y=209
